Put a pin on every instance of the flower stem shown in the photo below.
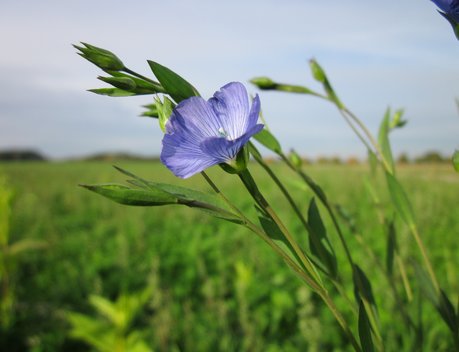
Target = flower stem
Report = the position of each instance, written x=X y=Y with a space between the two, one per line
x=251 y=186
x=317 y=287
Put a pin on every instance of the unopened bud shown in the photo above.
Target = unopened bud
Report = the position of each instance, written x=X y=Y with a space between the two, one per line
x=102 y=58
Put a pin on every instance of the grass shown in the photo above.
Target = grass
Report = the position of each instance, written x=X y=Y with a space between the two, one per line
x=214 y=286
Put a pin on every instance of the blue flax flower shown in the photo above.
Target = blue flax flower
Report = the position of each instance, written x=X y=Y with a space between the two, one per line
x=201 y=133
x=449 y=8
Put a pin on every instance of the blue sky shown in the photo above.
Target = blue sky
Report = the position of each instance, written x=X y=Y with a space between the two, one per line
x=394 y=53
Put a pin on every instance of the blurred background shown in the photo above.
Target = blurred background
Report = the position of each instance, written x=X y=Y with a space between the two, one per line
x=79 y=273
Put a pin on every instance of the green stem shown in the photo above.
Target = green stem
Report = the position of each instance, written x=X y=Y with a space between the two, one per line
x=321 y=291
x=422 y=248
x=251 y=186
x=298 y=212
x=325 y=202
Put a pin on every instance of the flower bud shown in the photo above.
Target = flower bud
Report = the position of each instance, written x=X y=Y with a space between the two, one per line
x=264 y=82
x=317 y=71
x=164 y=111
x=456 y=160
x=295 y=159
x=124 y=83
x=102 y=58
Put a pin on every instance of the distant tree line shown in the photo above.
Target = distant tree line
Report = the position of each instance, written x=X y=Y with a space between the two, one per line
x=20 y=154
x=33 y=155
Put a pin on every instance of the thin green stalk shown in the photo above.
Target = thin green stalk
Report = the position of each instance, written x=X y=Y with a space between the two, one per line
x=298 y=212
x=422 y=248
x=369 y=136
x=251 y=186
x=413 y=228
x=395 y=294
x=406 y=282
x=321 y=291
x=324 y=201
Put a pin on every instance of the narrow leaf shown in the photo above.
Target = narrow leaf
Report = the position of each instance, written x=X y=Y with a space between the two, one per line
x=112 y=92
x=383 y=139
x=318 y=240
x=273 y=231
x=439 y=300
x=129 y=196
x=210 y=203
x=362 y=286
x=177 y=87
x=447 y=311
x=366 y=340
x=456 y=160
x=391 y=248
x=400 y=200
x=268 y=140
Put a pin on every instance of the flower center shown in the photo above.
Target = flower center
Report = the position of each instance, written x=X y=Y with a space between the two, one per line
x=222 y=133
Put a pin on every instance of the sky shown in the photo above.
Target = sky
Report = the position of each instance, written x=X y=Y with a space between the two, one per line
x=378 y=54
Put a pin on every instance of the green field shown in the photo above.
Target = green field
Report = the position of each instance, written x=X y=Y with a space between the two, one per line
x=207 y=285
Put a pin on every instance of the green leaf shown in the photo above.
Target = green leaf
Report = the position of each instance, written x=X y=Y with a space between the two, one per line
x=266 y=83
x=141 y=84
x=362 y=285
x=274 y=232
x=112 y=92
x=391 y=248
x=319 y=75
x=456 y=160
x=425 y=284
x=318 y=240
x=267 y=139
x=209 y=203
x=366 y=340
x=397 y=121
x=383 y=139
x=107 y=308
x=400 y=200
x=130 y=196
x=175 y=86
x=439 y=300
x=363 y=292
x=373 y=161
x=164 y=110
x=124 y=83
x=295 y=159
x=447 y=312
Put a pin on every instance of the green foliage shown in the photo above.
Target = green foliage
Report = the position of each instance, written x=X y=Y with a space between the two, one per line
x=111 y=330
x=203 y=299
x=177 y=87
x=319 y=242
x=456 y=160
x=10 y=253
x=267 y=139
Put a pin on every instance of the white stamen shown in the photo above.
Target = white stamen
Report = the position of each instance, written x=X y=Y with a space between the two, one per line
x=222 y=132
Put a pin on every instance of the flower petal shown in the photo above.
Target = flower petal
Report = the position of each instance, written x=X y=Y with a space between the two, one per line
x=231 y=105
x=183 y=155
x=195 y=116
x=254 y=111
x=223 y=150
x=444 y=5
